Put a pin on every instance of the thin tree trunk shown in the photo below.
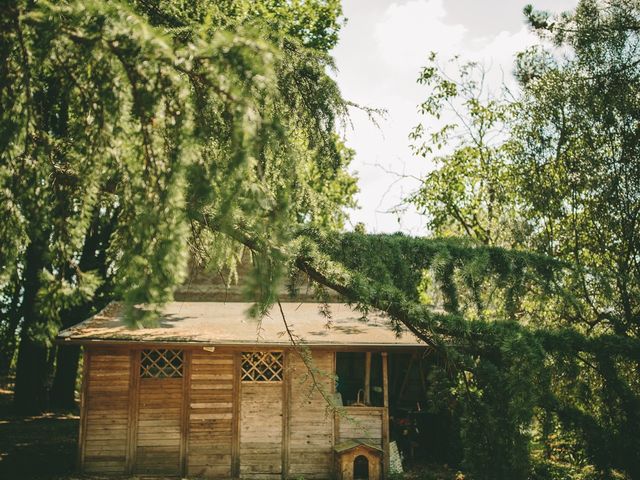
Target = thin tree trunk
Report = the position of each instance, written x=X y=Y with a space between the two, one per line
x=67 y=357
x=62 y=395
x=8 y=340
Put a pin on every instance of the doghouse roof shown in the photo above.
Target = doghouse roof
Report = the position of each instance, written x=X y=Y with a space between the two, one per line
x=227 y=324
x=349 y=445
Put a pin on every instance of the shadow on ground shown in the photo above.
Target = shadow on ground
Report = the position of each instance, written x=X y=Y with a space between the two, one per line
x=41 y=447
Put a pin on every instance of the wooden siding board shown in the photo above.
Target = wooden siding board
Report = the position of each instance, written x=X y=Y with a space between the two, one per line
x=385 y=416
x=186 y=401
x=210 y=414
x=105 y=411
x=83 y=409
x=134 y=384
x=261 y=431
x=210 y=425
x=159 y=425
x=310 y=422
x=237 y=409
x=362 y=423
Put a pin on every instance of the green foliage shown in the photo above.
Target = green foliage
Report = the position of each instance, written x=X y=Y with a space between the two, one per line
x=158 y=111
x=470 y=193
x=135 y=134
x=161 y=124
x=504 y=375
x=551 y=168
x=455 y=275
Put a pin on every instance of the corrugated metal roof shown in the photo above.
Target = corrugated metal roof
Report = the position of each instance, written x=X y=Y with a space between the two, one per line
x=218 y=323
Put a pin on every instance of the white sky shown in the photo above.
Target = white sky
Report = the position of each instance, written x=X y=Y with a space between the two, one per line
x=382 y=48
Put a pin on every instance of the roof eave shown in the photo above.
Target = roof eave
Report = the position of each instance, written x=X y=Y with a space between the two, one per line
x=111 y=342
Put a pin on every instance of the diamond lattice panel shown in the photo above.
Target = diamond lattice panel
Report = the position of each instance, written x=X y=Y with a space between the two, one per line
x=162 y=363
x=262 y=367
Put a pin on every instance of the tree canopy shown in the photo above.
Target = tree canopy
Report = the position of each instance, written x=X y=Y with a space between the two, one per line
x=552 y=167
x=130 y=128
x=136 y=135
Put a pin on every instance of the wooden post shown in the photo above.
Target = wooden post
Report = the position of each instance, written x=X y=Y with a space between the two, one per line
x=132 y=419
x=286 y=395
x=367 y=379
x=385 y=416
x=86 y=358
x=235 y=416
x=334 y=414
x=186 y=406
x=406 y=377
x=422 y=378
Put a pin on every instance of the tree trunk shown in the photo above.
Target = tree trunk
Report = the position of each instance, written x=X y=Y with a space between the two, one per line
x=67 y=357
x=64 y=383
x=8 y=338
x=31 y=376
x=31 y=369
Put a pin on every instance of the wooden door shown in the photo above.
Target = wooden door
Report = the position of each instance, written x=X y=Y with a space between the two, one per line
x=159 y=417
x=211 y=415
x=261 y=415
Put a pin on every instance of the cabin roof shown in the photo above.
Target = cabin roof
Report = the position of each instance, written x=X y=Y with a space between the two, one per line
x=228 y=324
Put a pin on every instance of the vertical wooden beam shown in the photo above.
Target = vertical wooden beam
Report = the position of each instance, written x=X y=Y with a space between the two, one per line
x=385 y=415
x=132 y=418
x=335 y=416
x=334 y=374
x=186 y=408
x=235 y=417
x=86 y=358
x=367 y=378
x=286 y=395
x=406 y=377
x=422 y=377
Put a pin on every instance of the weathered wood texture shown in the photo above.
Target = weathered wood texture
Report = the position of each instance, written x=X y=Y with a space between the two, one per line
x=211 y=425
x=106 y=410
x=211 y=415
x=310 y=424
x=362 y=423
x=345 y=464
x=385 y=415
x=134 y=389
x=159 y=426
x=261 y=430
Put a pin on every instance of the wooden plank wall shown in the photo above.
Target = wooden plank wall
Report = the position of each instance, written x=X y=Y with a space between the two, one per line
x=310 y=424
x=261 y=430
x=210 y=438
x=159 y=426
x=362 y=423
x=103 y=445
x=258 y=430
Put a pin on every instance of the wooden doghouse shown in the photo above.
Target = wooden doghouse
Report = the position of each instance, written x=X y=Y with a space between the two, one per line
x=358 y=460
x=209 y=393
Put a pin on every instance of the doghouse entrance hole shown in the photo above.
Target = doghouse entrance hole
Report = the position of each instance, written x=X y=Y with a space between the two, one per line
x=361 y=468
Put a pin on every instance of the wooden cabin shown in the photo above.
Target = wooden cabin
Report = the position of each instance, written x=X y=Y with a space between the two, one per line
x=211 y=393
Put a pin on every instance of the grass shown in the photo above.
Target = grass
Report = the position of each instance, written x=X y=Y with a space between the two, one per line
x=429 y=472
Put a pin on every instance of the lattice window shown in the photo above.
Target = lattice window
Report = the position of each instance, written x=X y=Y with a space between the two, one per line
x=161 y=363
x=262 y=366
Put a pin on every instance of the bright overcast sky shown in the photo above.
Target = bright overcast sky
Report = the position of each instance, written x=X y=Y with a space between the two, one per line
x=379 y=56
